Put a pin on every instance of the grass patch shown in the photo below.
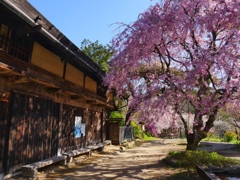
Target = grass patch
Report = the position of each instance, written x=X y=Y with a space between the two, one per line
x=189 y=159
x=184 y=175
x=150 y=138
x=212 y=139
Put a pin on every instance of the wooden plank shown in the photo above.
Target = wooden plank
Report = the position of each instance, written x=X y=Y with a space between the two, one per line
x=47 y=60
x=44 y=163
x=77 y=152
x=74 y=151
x=107 y=142
x=94 y=147
x=74 y=75
x=90 y=84
x=205 y=174
x=21 y=80
x=30 y=170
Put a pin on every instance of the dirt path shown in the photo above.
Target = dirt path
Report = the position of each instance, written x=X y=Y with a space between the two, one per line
x=138 y=163
x=142 y=162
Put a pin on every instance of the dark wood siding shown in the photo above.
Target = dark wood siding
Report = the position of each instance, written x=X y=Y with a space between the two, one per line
x=81 y=141
x=104 y=126
x=3 y=127
x=93 y=126
x=33 y=130
x=66 y=126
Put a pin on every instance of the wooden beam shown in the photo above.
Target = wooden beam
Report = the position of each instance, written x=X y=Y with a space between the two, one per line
x=38 y=90
x=47 y=79
x=77 y=97
x=91 y=101
x=53 y=90
x=21 y=80
x=100 y=105
x=4 y=71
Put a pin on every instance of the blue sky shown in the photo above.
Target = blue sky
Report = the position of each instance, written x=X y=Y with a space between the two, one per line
x=90 y=19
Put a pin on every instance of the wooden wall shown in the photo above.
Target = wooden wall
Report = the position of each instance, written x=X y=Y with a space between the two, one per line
x=33 y=132
x=74 y=75
x=47 y=60
x=104 y=125
x=93 y=126
x=50 y=62
x=39 y=127
x=3 y=129
x=90 y=84
x=66 y=126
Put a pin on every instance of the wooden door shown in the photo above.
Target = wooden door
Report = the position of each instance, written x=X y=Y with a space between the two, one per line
x=114 y=132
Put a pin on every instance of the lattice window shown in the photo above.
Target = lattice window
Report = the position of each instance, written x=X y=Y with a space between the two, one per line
x=18 y=45
x=5 y=34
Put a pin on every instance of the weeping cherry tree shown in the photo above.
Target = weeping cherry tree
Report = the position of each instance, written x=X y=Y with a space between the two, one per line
x=178 y=53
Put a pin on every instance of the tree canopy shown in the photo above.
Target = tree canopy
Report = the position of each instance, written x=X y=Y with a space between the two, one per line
x=99 y=53
x=179 y=51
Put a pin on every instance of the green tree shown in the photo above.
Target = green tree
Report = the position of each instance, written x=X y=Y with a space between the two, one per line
x=99 y=53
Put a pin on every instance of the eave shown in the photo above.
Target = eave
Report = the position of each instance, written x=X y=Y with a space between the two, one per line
x=30 y=15
x=21 y=76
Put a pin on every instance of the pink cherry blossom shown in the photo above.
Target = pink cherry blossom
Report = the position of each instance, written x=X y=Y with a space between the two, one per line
x=179 y=53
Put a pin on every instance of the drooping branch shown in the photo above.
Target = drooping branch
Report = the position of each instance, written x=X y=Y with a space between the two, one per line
x=182 y=118
x=181 y=52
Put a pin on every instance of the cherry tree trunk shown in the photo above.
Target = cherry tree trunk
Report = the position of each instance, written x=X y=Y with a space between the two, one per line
x=193 y=141
x=128 y=115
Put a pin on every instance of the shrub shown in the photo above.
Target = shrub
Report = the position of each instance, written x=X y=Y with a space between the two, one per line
x=138 y=133
x=116 y=114
x=221 y=127
x=229 y=136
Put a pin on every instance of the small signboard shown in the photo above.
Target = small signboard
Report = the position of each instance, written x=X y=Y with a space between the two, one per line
x=77 y=127
x=83 y=129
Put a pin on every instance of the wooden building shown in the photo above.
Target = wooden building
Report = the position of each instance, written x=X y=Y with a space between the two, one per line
x=46 y=85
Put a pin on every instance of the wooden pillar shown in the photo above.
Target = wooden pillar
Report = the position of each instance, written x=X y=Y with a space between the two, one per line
x=101 y=130
x=59 y=129
x=4 y=134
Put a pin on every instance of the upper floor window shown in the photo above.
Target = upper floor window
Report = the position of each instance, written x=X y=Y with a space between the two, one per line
x=5 y=34
x=14 y=43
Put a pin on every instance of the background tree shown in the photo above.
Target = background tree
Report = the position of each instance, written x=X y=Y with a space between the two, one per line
x=181 y=51
x=231 y=114
x=220 y=127
x=99 y=53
